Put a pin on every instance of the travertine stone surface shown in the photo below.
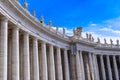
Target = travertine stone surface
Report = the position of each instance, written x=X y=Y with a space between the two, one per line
x=66 y=65
x=109 y=68
x=15 y=54
x=51 y=63
x=102 y=68
x=58 y=64
x=35 y=60
x=26 y=56
x=44 y=62
x=3 y=48
x=115 y=68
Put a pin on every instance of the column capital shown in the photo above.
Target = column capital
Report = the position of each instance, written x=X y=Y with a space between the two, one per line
x=4 y=19
x=43 y=42
x=25 y=33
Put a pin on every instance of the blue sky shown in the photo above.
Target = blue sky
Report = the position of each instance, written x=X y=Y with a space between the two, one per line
x=99 y=17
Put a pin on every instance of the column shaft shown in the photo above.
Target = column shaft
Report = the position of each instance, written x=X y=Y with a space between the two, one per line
x=66 y=65
x=98 y=77
x=102 y=68
x=109 y=68
x=59 y=65
x=95 y=68
x=3 y=48
x=15 y=53
x=115 y=68
x=78 y=71
x=82 y=66
x=91 y=66
x=35 y=60
x=44 y=62
x=26 y=57
x=51 y=64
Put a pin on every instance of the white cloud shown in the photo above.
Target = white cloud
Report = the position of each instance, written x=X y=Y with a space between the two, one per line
x=110 y=30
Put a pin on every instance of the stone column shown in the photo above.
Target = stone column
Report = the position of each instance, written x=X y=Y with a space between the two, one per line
x=35 y=60
x=96 y=73
x=44 y=62
x=59 y=64
x=66 y=65
x=97 y=70
x=3 y=48
x=78 y=68
x=102 y=67
x=87 y=67
x=82 y=66
x=51 y=63
x=26 y=57
x=115 y=68
x=109 y=68
x=91 y=66
x=15 y=54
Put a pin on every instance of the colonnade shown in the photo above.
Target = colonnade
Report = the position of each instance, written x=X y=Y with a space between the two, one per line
x=25 y=57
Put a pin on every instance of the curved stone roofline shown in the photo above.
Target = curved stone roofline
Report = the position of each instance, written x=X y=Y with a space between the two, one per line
x=77 y=33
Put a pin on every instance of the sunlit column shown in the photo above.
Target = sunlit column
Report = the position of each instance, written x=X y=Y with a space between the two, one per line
x=52 y=63
x=15 y=54
x=44 y=62
x=59 y=64
x=66 y=65
x=102 y=67
x=95 y=67
x=82 y=66
x=109 y=68
x=115 y=67
x=78 y=68
x=35 y=60
x=91 y=66
x=26 y=57
x=3 y=48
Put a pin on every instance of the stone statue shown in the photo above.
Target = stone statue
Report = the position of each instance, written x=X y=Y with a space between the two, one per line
x=77 y=32
x=92 y=39
x=105 y=41
x=90 y=36
x=56 y=28
x=98 y=40
x=50 y=24
x=63 y=31
x=34 y=12
x=42 y=19
x=25 y=4
x=117 y=42
x=111 y=41
x=87 y=35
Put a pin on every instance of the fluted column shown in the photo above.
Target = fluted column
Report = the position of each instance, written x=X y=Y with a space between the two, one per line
x=51 y=64
x=109 y=68
x=91 y=66
x=59 y=64
x=3 y=48
x=15 y=54
x=82 y=66
x=26 y=57
x=66 y=65
x=102 y=68
x=44 y=62
x=115 y=68
x=78 y=68
x=35 y=60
